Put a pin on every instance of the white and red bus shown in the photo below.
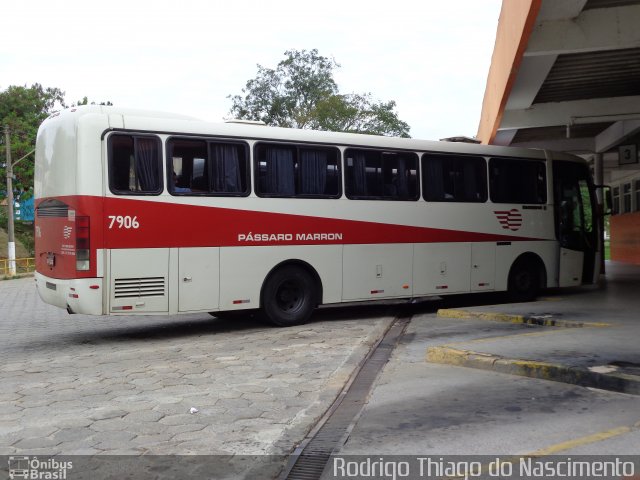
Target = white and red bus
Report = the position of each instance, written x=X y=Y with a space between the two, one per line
x=149 y=213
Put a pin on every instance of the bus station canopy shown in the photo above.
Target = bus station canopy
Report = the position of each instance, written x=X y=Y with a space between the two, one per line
x=565 y=75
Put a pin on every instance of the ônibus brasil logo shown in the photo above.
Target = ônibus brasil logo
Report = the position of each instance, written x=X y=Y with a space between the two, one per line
x=33 y=468
x=509 y=219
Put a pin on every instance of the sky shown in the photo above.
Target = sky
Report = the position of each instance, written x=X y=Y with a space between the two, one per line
x=431 y=56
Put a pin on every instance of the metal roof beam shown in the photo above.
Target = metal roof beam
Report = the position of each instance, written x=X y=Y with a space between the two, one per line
x=616 y=133
x=593 y=30
x=504 y=137
x=555 y=10
x=594 y=110
x=572 y=145
x=532 y=74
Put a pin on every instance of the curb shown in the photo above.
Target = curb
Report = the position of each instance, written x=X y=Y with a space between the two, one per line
x=543 y=321
x=616 y=382
x=17 y=276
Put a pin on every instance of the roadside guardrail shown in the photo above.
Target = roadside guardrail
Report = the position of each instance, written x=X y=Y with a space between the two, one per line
x=23 y=265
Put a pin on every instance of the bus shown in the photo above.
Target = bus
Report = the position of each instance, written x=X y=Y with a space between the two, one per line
x=148 y=213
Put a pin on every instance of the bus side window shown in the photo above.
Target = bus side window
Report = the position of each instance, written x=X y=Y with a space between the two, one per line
x=381 y=175
x=318 y=172
x=454 y=178
x=285 y=170
x=513 y=180
x=228 y=168
x=134 y=165
x=204 y=167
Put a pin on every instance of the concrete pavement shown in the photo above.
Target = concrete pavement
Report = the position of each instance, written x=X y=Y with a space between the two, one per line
x=82 y=385
x=424 y=408
x=75 y=385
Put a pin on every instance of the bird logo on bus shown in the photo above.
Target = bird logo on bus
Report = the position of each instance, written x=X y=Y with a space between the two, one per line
x=509 y=219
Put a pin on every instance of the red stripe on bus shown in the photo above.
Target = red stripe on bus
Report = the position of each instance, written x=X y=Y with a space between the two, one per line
x=132 y=223
x=176 y=225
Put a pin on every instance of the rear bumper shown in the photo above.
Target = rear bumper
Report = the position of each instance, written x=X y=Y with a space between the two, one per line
x=84 y=295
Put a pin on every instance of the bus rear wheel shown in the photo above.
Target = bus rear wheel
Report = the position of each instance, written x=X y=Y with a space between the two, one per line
x=289 y=296
x=524 y=281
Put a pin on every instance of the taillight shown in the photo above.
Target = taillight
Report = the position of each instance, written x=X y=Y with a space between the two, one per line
x=82 y=243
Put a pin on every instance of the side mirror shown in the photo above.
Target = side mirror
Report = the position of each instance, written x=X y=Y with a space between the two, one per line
x=608 y=202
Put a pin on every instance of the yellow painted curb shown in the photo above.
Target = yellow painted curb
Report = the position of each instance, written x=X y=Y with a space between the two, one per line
x=517 y=319
x=616 y=382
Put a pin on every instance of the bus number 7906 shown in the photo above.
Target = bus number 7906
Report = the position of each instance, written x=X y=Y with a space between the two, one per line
x=125 y=221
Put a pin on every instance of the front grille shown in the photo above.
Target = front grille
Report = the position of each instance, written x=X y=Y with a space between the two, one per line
x=139 y=287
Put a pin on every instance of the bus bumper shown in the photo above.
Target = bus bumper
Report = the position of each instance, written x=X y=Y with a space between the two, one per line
x=82 y=295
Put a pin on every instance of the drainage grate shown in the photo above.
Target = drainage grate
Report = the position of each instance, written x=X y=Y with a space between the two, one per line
x=309 y=459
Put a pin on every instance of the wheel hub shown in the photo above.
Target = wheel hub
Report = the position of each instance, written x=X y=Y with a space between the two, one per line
x=289 y=296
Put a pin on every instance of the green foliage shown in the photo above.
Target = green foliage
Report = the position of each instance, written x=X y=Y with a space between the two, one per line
x=23 y=109
x=301 y=93
x=23 y=232
x=85 y=101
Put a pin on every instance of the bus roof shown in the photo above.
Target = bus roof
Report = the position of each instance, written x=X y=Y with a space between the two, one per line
x=170 y=123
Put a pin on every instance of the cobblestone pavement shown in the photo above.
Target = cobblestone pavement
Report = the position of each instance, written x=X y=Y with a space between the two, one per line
x=74 y=384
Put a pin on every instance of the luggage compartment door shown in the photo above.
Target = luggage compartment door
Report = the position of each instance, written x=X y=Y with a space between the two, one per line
x=199 y=274
x=139 y=280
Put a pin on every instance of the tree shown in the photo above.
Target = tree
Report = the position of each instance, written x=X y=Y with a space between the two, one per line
x=301 y=93
x=23 y=109
x=85 y=101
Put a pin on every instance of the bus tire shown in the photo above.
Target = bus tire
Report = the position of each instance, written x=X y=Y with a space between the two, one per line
x=289 y=296
x=524 y=280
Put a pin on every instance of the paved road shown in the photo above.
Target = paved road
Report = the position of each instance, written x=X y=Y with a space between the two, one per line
x=451 y=410
x=75 y=384
x=445 y=409
x=125 y=385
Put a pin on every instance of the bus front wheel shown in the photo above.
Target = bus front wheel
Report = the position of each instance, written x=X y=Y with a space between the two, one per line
x=288 y=297
x=524 y=281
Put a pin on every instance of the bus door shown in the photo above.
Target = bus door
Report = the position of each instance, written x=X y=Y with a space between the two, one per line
x=575 y=223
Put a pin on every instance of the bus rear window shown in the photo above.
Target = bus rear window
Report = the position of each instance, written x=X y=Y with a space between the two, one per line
x=134 y=165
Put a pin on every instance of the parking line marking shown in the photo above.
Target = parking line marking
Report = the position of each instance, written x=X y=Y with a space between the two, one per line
x=577 y=442
x=560 y=447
